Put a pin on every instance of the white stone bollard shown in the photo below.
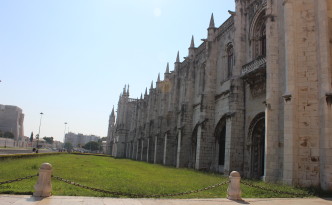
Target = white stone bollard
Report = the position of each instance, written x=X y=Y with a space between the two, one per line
x=234 y=190
x=43 y=187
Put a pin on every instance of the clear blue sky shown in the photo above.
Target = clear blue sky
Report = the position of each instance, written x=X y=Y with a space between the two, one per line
x=70 y=59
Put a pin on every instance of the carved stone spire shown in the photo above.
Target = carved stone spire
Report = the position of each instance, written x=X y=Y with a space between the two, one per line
x=191 y=49
x=192 y=44
x=158 y=79
x=177 y=62
x=124 y=90
x=211 y=22
x=211 y=29
x=178 y=58
x=112 y=113
x=167 y=68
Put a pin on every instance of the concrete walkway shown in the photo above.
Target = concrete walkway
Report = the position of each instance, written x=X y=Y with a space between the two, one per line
x=71 y=200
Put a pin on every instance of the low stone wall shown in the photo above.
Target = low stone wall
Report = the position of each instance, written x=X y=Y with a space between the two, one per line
x=6 y=142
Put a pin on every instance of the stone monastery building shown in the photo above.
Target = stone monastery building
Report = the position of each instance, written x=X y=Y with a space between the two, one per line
x=255 y=96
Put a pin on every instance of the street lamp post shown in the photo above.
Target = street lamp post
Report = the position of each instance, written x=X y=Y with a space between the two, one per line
x=41 y=115
x=64 y=133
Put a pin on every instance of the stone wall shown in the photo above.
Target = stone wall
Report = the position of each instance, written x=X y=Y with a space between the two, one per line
x=266 y=113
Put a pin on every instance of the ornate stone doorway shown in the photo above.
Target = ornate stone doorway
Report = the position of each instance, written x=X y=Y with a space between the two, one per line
x=257 y=135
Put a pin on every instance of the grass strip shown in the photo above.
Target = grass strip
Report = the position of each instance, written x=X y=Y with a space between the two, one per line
x=123 y=175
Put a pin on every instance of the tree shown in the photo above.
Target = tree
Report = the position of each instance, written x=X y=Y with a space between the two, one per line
x=8 y=135
x=92 y=145
x=1 y=133
x=31 y=137
x=68 y=146
x=49 y=140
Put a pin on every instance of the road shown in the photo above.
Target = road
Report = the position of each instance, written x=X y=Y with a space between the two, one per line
x=6 y=151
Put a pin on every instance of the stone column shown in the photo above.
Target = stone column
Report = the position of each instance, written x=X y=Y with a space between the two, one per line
x=178 y=155
x=165 y=150
x=198 y=147
x=290 y=147
x=147 y=150
x=142 y=149
x=228 y=148
x=324 y=54
x=155 y=150
x=273 y=93
x=137 y=146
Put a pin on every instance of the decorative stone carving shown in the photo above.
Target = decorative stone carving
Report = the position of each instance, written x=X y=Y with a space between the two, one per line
x=329 y=99
x=254 y=73
x=259 y=62
x=287 y=97
x=254 y=7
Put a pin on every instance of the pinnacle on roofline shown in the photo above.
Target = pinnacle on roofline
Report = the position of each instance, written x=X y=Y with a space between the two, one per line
x=158 y=79
x=124 y=89
x=211 y=22
x=178 y=58
x=192 y=44
x=167 y=68
x=128 y=90
x=112 y=113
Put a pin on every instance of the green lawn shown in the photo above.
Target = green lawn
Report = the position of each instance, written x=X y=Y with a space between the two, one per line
x=121 y=175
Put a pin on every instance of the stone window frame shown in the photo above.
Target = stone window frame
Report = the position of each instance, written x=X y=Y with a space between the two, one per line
x=257 y=34
x=230 y=59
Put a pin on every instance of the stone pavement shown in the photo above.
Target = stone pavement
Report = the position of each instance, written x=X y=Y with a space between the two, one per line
x=72 y=200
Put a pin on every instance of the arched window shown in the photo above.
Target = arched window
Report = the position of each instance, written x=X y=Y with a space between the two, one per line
x=230 y=59
x=259 y=36
x=263 y=40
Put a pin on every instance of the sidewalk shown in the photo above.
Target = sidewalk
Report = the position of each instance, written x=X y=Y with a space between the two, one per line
x=71 y=200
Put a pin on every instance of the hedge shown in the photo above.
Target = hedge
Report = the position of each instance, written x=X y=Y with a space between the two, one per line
x=18 y=156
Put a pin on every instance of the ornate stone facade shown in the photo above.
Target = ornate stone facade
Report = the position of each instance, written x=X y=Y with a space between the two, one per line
x=254 y=97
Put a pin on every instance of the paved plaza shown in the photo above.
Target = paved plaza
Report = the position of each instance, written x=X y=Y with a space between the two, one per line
x=62 y=200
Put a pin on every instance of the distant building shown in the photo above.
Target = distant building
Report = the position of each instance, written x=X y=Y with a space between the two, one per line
x=78 y=140
x=11 y=120
x=57 y=144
